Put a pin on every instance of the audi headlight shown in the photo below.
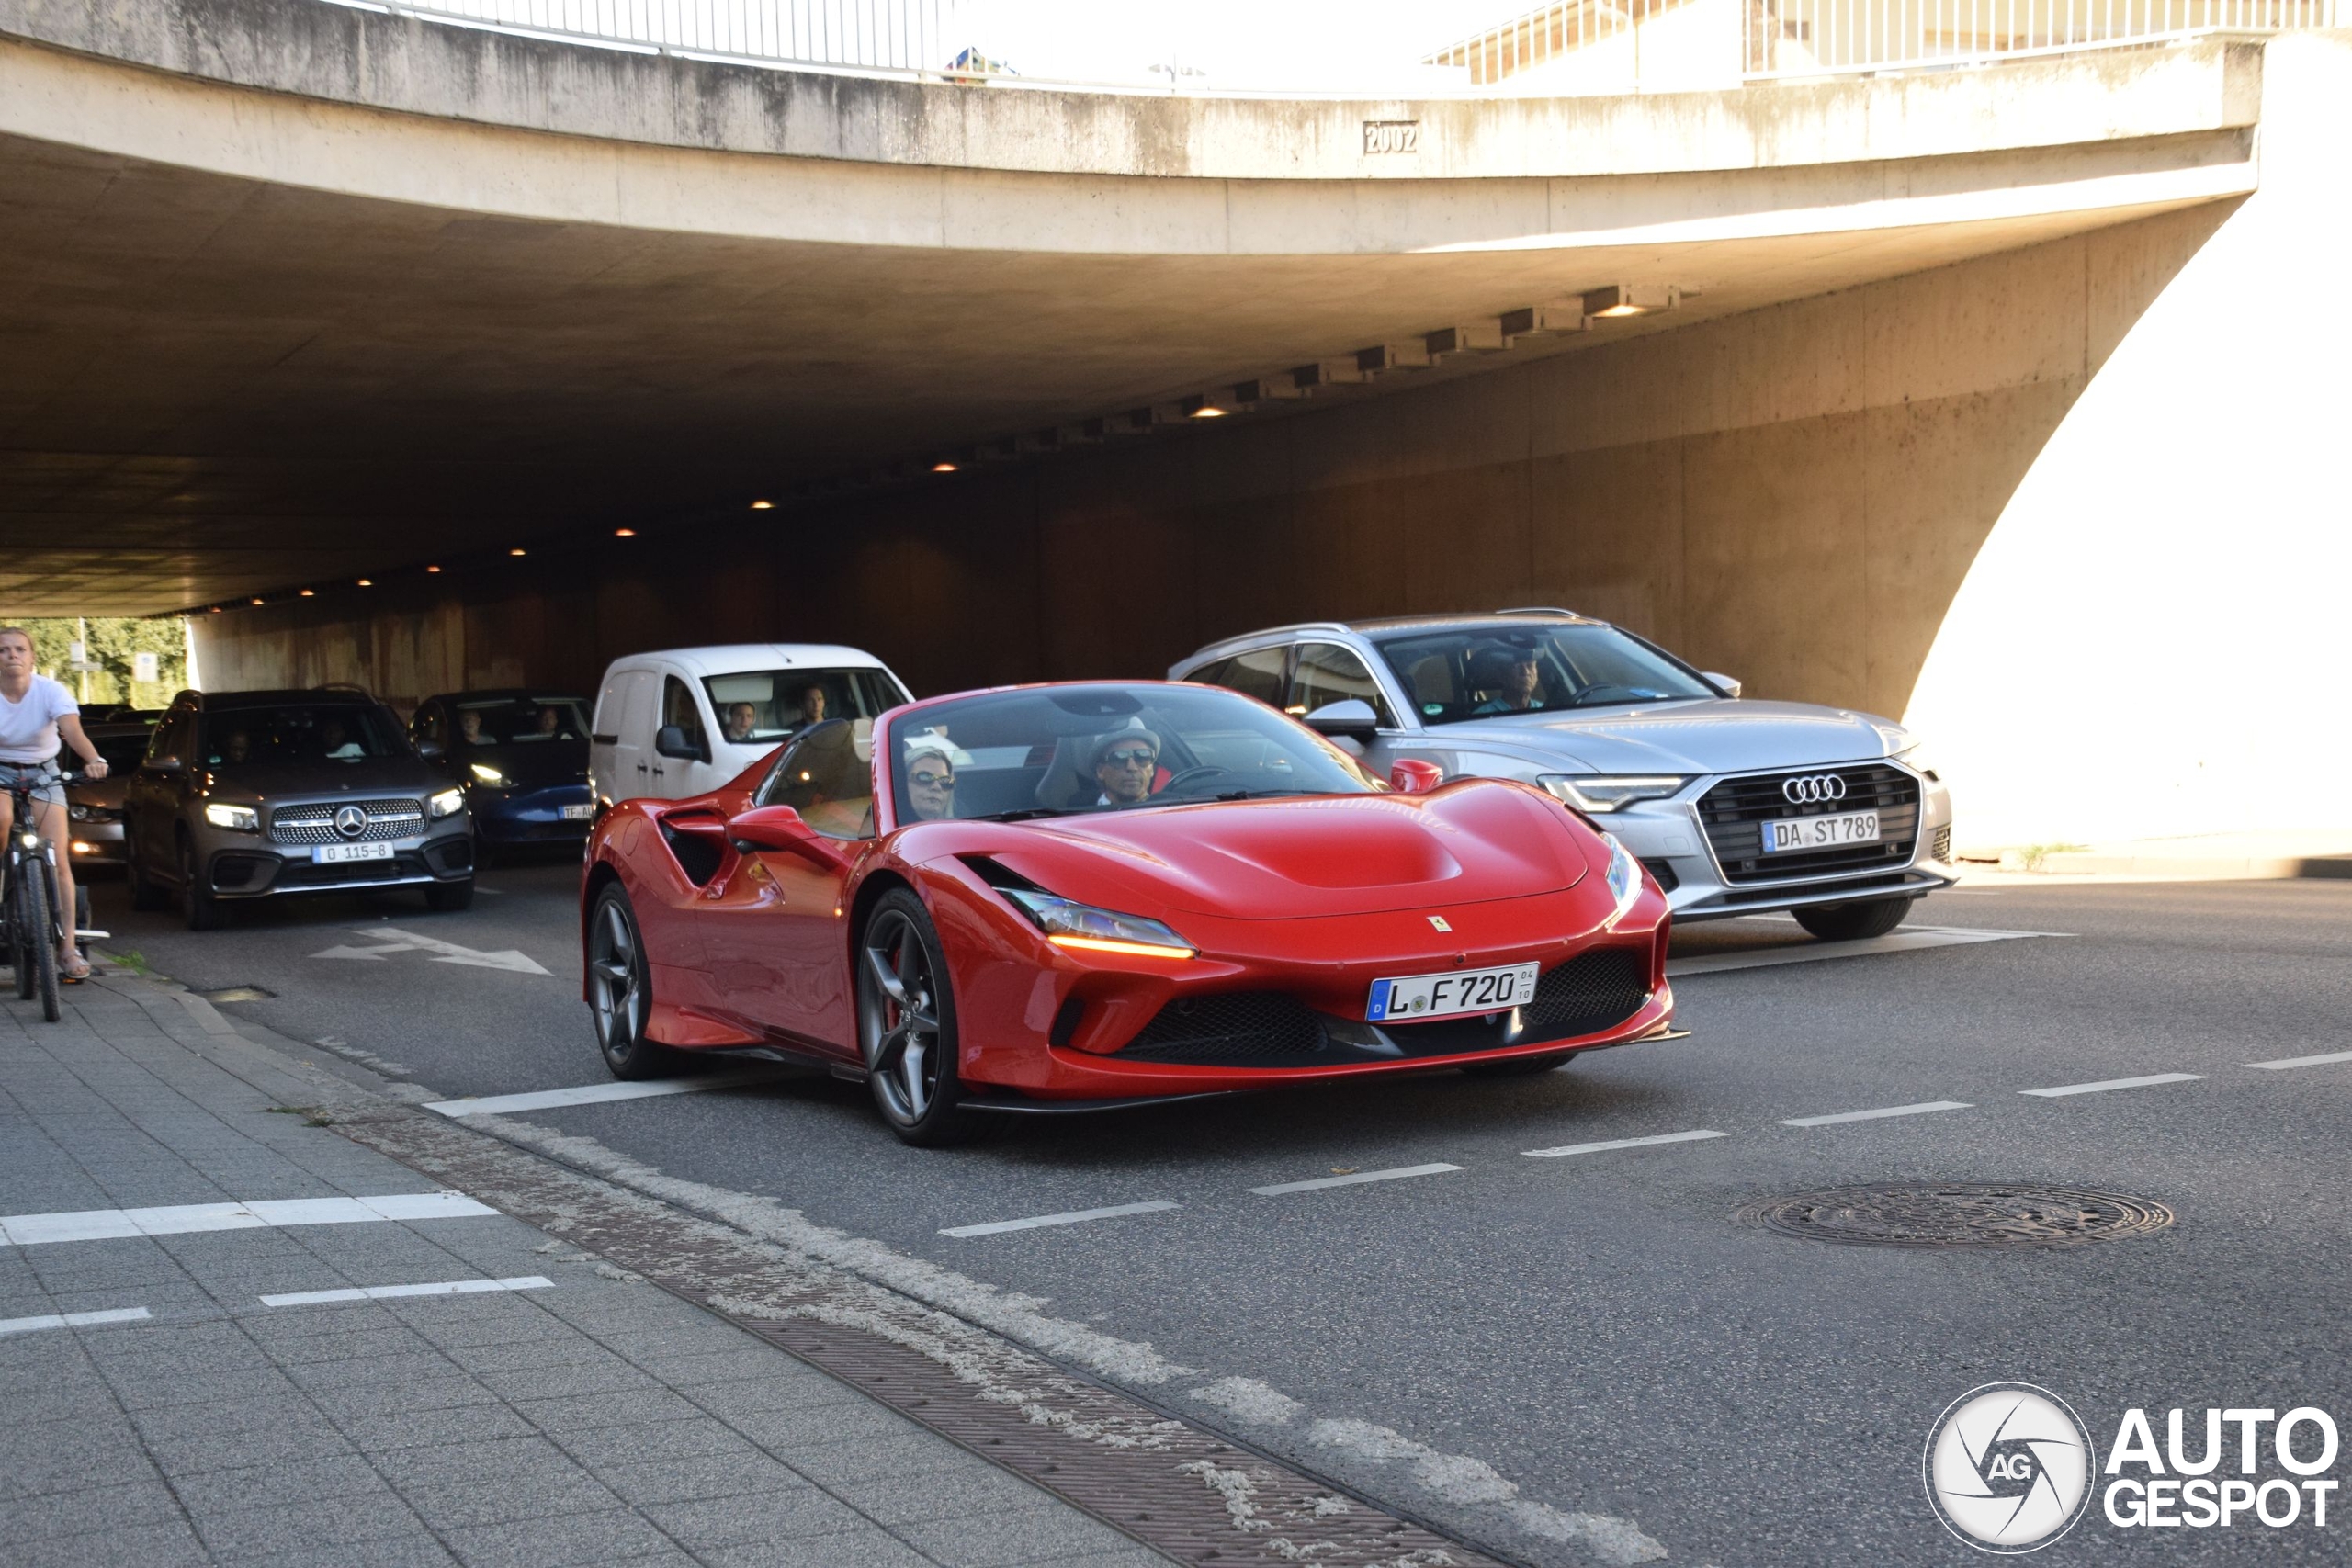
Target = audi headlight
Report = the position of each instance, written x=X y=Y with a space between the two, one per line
x=447 y=803
x=1602 y=793
x=1070 y=924
x=1624 y=876
x=487 y=774
x=244 y=818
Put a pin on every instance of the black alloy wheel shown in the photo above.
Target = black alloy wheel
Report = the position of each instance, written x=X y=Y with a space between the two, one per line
x=20 y=950
x=199 y=907
x=906 y=1025
x=1853 y=922
x=619 y=994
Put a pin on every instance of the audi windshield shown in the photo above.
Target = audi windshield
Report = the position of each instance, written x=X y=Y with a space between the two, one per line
x=1493 y=671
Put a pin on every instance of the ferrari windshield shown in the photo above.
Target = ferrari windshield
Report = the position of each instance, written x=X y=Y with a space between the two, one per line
x=1532 y=667
x=1051 y=750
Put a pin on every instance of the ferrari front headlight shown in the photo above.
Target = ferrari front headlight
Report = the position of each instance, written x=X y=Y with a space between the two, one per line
x=1603 y=793
x=1624 y=876
x=447 y=803
x=1067 y=923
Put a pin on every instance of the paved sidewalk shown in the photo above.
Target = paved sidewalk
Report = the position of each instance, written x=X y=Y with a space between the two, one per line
x=574 y=1414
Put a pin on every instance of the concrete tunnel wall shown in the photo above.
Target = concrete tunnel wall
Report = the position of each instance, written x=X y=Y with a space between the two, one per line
x=1794 y=496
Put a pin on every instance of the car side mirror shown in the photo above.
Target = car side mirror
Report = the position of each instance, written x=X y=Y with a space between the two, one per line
x=431 y=751
x=1351 y=718
x=1728 y=686
x=671 y=741
x=1410 y=775
x=781 y=828
x=163 y=765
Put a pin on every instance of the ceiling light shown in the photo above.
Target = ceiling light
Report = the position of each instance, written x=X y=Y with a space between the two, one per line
x=216 y=609
x=1208 y=410
x=257 y=601
x=515 y=551
x=943 y=468
x=624 y=533
x=762 y=505
x=1620 y=299
x=432 y=569
x=308 y=594
x=367 y=583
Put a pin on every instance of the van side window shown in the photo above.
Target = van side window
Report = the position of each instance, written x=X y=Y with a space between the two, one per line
x=678 y=708
x=1257 y=674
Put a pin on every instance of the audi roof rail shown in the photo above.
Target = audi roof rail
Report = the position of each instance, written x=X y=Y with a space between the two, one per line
x=1541 y=610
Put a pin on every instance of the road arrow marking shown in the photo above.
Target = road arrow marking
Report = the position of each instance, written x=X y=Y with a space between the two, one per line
x=513 y=960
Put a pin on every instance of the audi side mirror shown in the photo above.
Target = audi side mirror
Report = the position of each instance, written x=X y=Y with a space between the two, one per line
x=1410 y=775
x=671 y=741
x=1351 y=718
x=431 y=751
x=1724 y=683
x=163 y=765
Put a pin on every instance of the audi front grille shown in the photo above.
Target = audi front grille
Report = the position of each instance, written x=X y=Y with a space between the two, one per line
x=1734 y=811
x=314 y=823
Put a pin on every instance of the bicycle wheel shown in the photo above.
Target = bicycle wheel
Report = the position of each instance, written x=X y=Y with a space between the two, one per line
x=20 y=951
x=38 y=902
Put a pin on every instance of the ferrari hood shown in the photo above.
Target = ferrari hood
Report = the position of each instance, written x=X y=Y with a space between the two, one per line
x=1313 y=855
x=1711 y=737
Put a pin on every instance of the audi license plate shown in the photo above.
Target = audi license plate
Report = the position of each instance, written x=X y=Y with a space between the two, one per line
x=1417 y=996
x=1820 y=832
x=336 y=854
x=579 y=813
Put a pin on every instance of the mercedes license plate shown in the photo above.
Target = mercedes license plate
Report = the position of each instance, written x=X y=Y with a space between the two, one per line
x=336 y=854
x=579 y=813
x=1417 y=996
x=1820 y=832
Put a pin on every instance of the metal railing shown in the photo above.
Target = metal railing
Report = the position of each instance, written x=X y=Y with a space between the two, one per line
x=857 y=35
x=1813 y=37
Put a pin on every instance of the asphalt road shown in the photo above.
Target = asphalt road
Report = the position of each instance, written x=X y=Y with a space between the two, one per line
x=1601 y=1328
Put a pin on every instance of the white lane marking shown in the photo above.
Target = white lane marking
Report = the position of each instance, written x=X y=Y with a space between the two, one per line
x=102 y=1225
x=1354 y=1178
x=2331 y=1056
x=2106 y=1084
x=72 y=1320
x=1625 y=1144
x=1075 y=1216
x=586 y=1094
x=381 y=1292
x=1919 y=1109
x=1911 y=939
x=511 y=959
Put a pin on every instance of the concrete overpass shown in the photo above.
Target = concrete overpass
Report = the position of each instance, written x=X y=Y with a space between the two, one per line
x=298 y=295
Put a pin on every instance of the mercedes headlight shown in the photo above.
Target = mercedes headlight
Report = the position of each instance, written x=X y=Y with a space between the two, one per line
x=1603 y=793
x=1624 y=876
x=487 y=774
x=447 y=803
x=1067 y=923
x=244 y=818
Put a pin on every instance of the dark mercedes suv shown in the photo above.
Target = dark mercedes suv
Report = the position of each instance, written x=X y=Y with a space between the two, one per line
x=257 y=795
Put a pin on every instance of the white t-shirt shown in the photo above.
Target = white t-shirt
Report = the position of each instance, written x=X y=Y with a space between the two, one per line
x=28 y=728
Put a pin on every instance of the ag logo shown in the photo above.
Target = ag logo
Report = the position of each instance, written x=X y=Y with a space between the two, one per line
x=2009 y=1468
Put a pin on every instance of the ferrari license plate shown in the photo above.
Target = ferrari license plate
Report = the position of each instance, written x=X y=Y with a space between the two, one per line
x=1820 y=832
x=336 y=854
x=579 y=813
x=1417 y=996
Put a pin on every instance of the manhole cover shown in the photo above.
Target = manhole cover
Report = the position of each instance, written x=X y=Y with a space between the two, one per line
x=1960 y=1214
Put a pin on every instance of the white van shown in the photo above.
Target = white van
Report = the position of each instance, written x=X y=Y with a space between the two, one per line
x=687 y=719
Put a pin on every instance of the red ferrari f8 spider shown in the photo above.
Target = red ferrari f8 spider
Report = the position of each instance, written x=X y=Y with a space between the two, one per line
x=1072 y=896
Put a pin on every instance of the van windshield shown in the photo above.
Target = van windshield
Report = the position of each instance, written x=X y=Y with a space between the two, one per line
x=762 y=706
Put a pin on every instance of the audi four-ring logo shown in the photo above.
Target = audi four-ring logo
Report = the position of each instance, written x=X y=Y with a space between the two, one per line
x=350 y=821
x=1814 y=789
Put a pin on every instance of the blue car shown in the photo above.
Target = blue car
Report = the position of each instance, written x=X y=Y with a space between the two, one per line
x=520 y=755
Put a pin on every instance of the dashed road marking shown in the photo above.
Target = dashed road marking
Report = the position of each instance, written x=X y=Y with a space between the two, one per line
x=384 y=1293
x=2105 y=1084
x=102 y=1225
x=587 y=1094
x=1691 y=1136
x=1353 y=1179
x=1922 y=1109
x=1075 y=1217
x=2320 y=1061
x=72 y=1320
x=1911 y=939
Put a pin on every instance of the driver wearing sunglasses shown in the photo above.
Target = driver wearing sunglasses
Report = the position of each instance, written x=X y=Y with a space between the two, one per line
x=1126 y=762
x=931 y=780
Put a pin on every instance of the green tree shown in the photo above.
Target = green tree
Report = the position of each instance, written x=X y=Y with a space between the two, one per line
x=114 y=642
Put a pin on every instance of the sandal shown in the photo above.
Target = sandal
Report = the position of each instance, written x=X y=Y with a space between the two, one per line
x=73 y=969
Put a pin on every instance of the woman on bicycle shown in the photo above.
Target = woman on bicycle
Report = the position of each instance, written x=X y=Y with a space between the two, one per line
x=34 y=712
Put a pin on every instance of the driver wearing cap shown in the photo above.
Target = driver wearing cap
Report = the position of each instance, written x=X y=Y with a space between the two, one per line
x=1125 y=762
